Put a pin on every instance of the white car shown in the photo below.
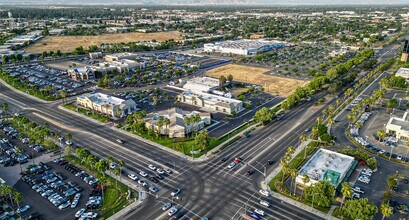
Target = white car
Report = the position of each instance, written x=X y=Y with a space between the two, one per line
x=264 y=192
x=142 y=183
x=143 y=174
x=166 y=206
x=175 y=192
x=119 y=141
x=172 y=211
x=168 y=171
x=152 y=167
x=259 y=211
x=113 y=165
x=264 y=203
x=69 y=143
x=79 y=213
x=22 y=209
x=358 y=190
x=64 y=205
x=153 y=189
x=231 y=165
x=160 y=171
x=132 y=176
x=89 y=215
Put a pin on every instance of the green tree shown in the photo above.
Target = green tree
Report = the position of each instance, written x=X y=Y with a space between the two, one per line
x=230 y=78
x=359 y=209
x=372 y=163
x=321 y=193
x=17 y=197
x=392 y=181
x=222 y=80
x=263 y=115
x=202 y=140
x=381 y=134
x=386 y=210
x=346 y=192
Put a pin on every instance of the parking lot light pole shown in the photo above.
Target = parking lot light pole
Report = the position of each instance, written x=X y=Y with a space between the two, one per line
x=391 y=152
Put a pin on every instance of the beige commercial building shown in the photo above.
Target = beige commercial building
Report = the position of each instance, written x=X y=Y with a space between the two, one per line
x=399 y=127
x=106 y=104
x=176 y=127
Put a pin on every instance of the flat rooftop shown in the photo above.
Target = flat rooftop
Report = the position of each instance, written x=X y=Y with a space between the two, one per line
x=201 y=84
x=400 y=123
x=246 y=44
x=403 y=72
x=327 y=165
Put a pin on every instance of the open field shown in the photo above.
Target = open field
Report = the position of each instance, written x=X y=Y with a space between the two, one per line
x=272 y=84
x=69 y=43
x=64 y=64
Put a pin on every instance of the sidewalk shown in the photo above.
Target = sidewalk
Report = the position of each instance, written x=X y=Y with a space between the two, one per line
x=264 y=186
x=132 y=206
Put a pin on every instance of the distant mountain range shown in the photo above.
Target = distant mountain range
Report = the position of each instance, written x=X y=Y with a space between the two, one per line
x=198 y=2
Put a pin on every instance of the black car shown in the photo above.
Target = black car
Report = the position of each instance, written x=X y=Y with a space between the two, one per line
x=159 y=177
x=153 y=179
x=250 y=172
x=270 y=162
x=406 y=181
x=224 y=159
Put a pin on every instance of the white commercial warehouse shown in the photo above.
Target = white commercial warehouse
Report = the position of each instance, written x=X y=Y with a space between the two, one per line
x=243 y=46
x=326 y=165
x=403 y=72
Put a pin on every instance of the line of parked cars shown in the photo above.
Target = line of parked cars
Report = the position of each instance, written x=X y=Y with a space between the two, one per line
x=10 y=157
x=365 y=176
x=154 y=178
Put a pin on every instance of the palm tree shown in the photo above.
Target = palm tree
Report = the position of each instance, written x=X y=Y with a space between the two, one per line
x=68 y=136
x=319 y=120
x=63 y=94
x=17 y=197
x=331 y=122
x=117 y=172
x=381 y=134
x=121 y=165
x=294 y=174
x=358 y=125
x=160 y=123
x=166 y=122
x=5 y=107
x=346 y=192
x=305 y=180
x=386 y=210
x=338 y=102
x=304 y=138
x=19 y=150
x=110 y=160
x=350 y=118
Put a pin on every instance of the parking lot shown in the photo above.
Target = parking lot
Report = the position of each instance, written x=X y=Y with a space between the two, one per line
x=46 y=78
x=50 y=189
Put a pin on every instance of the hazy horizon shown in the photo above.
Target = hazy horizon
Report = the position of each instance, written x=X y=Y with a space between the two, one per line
x=204 y=2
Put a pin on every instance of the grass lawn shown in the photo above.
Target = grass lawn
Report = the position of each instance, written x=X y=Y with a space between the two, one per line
x=113 y=202
x=114 y=195
x=184 y=145
x=87 y=113
x=295 y=163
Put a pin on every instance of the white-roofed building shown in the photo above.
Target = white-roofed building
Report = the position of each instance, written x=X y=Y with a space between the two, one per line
x=399 y=127
x=120 y=56
x=211 y=102
x=202 y=84
x=243 y=46
x=326 y=165
x=176 y=118
x=107 y=104
x=403 y=72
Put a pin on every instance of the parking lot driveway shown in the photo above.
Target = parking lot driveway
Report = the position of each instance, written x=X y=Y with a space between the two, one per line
x=12 y=174
x=43 y=206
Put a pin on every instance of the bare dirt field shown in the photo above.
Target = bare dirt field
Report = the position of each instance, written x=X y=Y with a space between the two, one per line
x=272 y=84
x=69 y=43
x=64 y=65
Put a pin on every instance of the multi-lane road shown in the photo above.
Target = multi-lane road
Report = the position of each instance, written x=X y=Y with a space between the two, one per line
x=209 y=188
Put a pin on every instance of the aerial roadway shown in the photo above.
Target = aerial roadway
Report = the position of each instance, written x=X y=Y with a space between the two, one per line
x=207 y=188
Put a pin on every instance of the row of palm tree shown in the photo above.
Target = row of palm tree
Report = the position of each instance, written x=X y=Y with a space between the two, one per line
x=163 y=121
x=191 y=120
x=9 y=194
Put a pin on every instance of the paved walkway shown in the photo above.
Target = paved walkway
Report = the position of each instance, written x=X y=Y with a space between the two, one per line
x=264 y=185
x=138 y=201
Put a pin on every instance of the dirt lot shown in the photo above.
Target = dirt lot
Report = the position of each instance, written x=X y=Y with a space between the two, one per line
x=69 y=43
x=272 y=84
x=64 y=65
